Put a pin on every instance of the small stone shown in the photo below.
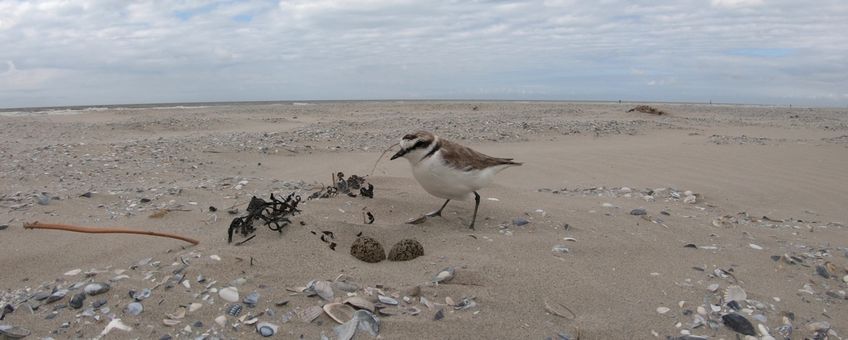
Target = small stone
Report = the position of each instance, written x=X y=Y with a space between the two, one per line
x=3 y=226
x=638 y=212
x=96 y=288
x=98 y=303
x=520 y=221
x=690 y=199
x=845 y=279
x=73 y=272
x=754 y=246
x=141 y=295
x=821 y=270
x=57 y=295
x=414 y=291
x=444 y=275
x=663 y=310
x=367 y=249
x=229 y=294
x=77 y=300
x=406 y=250
x=134 y=308
x=221 y=320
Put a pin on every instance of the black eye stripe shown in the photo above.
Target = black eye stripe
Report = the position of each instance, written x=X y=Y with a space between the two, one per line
x=409 y=137
x=420 y=145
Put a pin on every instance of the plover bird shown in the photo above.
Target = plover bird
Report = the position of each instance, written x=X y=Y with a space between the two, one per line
x=448 y=170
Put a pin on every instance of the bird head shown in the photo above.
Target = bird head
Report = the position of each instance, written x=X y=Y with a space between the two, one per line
x=414 y=146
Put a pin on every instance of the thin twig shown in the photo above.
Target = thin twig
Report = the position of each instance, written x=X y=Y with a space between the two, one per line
x=90 y=230
x=381 y=157
x=245 y=241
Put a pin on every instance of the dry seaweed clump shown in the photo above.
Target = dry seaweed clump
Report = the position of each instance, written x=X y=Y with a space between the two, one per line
x=648 y=109
x=406 y=250
x=367 y=249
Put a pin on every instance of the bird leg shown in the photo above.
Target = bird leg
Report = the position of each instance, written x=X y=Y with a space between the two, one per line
x=476 y=205
x=437 y=212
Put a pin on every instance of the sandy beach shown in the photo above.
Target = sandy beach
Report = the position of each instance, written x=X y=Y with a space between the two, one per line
x=619 y=225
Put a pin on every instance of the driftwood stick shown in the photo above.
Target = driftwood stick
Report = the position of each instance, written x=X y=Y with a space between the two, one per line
x=90 y=230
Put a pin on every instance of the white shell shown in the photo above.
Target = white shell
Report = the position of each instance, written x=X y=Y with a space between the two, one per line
x=663 y=310
x=194 y=306
x=387 y=300
x=339 y=311
x=229 y=294
x=73 y=272
x=324 y=289
x=444 y=275
x=170 y=322
x=115 y=324
x=735 y=293
x=713 y=287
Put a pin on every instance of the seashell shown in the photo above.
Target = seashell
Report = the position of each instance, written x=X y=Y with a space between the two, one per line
x=57 y=295
x=735 y=293
x=134 y=308
x=764 y=331
x=250 y=321
x=181 y=312
x=141 y=295
x=229 y=294
x=194 y=306
x=233 y=310
x=119 y=278
x=554 y=308
x=359 y=302
x=267 y=329
x=713 y=287
x=73 y=272
x=413 y=311
x=444 y=275
x=387 y=300
x=663 y=310
x=39 y=296
x=13 y=332
x=95 y=288
x=323 y=288
x=465 y=303
x=738 y=323
x=98 y=303
x=449 y=301
x=367 y=321
x=310 y=313
x=339 y=311
x=406 y=250
x=388 y=311
x=221 y=320
x=115 y=324
x=77 y=300
x=367 y=249
x=170 y=322
x=251 y=299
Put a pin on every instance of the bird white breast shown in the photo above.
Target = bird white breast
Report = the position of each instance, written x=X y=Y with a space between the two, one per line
x=446 y=182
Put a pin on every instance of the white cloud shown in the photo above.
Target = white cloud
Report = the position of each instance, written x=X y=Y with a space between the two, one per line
x=89 y=52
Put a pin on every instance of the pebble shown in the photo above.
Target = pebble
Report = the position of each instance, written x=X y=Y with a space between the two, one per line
x=134 y=308
x=77 y=301
x=141 y=295
x=754 y=246
x=251 y=299
x=845 y=279
x=444 y=275
x=387 y=300
x=638 y=212
x=663 y=310
x=229 y=294
x=560 y=249
x=266 y=329
x=221 y=320
x=96 y=288
x=520 y=221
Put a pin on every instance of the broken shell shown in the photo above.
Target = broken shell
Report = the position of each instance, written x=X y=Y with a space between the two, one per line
x=194 y=306
x=735 y=293
x=95 y=288
x=267 y=329
x=406 y=250
x=360 y=303
x=73 y=272
x=181 y=312
x=324 y=289
x=251 y=299
x=221 y=320
x=339 y=311
x=713 y=287
x=141 y=295
x=367 y=321
x=417 y=220
x=311 y=313
x=444 y=275
x=115 y=324
x=234 y=309
x=229 y=294
x=387 y=300
x=170 y=322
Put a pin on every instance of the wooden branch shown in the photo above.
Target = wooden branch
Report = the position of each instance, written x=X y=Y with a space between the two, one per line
x=90 y=230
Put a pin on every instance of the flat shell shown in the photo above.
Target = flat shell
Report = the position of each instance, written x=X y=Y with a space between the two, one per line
x=359 y=302
x=95 y=288
x=387 y=300
x=13 y=332
x=311 y=313
x=266 y=329
x=339 y=311
x=324 y=289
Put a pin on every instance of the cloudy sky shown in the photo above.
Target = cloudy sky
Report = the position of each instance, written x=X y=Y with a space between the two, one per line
x=85 y=52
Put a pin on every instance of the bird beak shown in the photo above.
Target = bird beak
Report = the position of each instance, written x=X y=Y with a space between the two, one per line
x=398 y=154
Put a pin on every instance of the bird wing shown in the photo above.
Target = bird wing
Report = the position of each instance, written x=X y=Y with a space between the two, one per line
x=465 y=158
